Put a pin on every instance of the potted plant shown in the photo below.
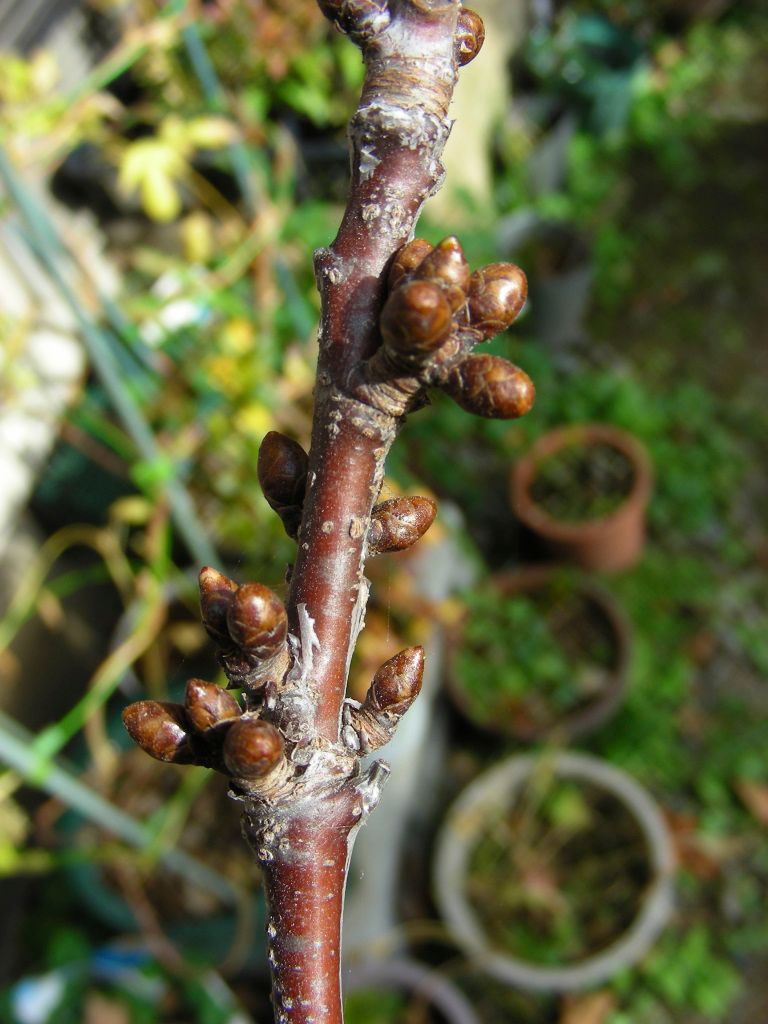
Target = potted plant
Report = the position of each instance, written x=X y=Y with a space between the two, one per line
x=554 y=872
x=584 y=489
x=541 y=651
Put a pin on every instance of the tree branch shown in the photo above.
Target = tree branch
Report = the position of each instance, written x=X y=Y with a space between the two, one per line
x=397 y=319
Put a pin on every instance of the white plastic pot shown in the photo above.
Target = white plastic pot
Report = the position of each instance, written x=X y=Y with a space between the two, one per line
x=491 y=794
x=415 y=979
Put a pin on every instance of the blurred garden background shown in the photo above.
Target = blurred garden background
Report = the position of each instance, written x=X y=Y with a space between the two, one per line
x=166 y=171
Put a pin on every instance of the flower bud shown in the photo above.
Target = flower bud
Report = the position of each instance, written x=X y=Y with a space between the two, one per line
x=406 y=261
x=398 y=682
x=447 y=266
x=490 y=386
x=331 y=8
x=159 y=728
x=252 y=748
x=282 y=472
x=416 y=320
x=207 y=704
x=398 y=523
x=257 y=621
x=216 y=593
x=497 y=293
x=470 y=36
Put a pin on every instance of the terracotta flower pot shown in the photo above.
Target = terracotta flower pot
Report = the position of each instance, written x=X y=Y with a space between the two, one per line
x=585 y=614
x=609 y=543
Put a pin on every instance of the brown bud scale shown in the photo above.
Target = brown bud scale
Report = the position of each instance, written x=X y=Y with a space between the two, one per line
x=447 y=266
x=416 y=320
x=407 y=260
x=257 y=621
x=490 y=386
x=497 y=293
x=397 y=683
x=470 y=36
x=207 y=705
x=216 y=593
x=159 y=728
x=282 y=472
x=252 y=748
x=398 y=523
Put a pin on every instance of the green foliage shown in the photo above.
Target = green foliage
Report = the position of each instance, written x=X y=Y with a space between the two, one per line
x=516 y=659
x=683 y=972
x=377 y=1007
x=697 y=458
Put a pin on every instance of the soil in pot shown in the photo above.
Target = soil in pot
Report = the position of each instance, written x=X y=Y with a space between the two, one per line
x=560 y=875
x=537 y=655
x=583 y=491
x=583 y=481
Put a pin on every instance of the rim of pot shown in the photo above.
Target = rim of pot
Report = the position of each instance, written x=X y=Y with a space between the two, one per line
x=410 y=976
x=579 y=722
x=525 y=470
x=488 y=793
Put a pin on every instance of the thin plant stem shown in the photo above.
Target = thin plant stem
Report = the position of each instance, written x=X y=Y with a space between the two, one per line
x=100 y=345
x=18 y=751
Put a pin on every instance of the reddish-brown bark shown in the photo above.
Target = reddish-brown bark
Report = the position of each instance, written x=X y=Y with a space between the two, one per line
x=294 y=755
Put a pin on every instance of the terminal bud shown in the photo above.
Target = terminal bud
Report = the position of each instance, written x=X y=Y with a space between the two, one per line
x=159 y=728
x=490 y=386
x=398 y=523
x=257 y=621
x=497 y=293
x=207 y=704
x=398 y=682
x=252 y=748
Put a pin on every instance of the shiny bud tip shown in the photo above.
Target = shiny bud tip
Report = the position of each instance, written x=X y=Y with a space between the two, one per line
x=216 y=593
x=407 y=260
x=159 y=728
x=207 y=704
x=252 y=748
x=447 y=266
x=397 y=684
x=257 y=620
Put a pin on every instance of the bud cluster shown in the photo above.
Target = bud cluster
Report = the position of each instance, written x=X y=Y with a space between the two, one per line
x=210 y=729
x=437 y=311
x=248 y=622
